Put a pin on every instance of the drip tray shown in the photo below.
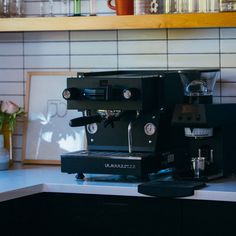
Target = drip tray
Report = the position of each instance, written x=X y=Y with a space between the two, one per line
x=106 y=162
x=172 y=188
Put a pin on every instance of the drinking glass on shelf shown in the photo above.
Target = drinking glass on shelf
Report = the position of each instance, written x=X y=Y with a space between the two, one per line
x=212 y=6
x=202 y=6
x=77 y=7
x=173 y=6
x=46 y=8
x=4 y=8
x=140 y=7
x=17 y=8
x=184 y=7
x=193 y=6
x=227 y=5
x=65 y=7
x=92 y=7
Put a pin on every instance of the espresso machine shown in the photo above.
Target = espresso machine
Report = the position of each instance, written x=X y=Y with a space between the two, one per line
x=127 y=117
x=209 y=128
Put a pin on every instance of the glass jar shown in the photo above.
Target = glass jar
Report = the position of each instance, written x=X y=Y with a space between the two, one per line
x=47 y=8
x=184 y=8
x=7 y=140
x=92 y=8
x=140 y=7
x=77 y=8
x=212 y=6
x=202 y=6
x=193 y=6
x=17 y=8
x=173 y=6
x=227 y=5
x=65 y=7
x=4 y=8
x=4 y=155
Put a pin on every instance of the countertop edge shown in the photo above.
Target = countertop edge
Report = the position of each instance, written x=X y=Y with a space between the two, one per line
x=107 y=190
x=21 y=192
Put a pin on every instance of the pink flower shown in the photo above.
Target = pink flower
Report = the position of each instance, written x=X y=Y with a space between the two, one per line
x=9 y=107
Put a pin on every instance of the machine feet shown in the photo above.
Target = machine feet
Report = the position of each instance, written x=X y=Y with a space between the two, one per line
x=80 y=176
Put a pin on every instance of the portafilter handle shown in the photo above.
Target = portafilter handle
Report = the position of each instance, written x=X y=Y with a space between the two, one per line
x=85 y=120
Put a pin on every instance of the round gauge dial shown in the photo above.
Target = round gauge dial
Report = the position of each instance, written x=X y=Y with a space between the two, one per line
x=149 y=129
x=127 y=94
x=92 y=128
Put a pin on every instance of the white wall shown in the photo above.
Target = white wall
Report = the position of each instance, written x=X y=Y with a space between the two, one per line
x=112 y=50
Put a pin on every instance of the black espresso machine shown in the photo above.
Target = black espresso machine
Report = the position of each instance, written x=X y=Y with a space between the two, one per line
x=127 y=117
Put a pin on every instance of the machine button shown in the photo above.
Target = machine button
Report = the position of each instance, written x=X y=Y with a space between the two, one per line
x=189 y=118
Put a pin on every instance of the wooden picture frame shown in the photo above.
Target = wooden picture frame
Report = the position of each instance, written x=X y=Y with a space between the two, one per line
x=47 y=133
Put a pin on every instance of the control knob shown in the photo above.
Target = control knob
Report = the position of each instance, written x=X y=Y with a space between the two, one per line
x=71 y=93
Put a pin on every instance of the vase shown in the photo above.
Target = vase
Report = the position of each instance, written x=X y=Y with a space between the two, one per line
x=7 y=134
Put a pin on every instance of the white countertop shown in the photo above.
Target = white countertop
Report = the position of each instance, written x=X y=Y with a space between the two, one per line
x=27 y=179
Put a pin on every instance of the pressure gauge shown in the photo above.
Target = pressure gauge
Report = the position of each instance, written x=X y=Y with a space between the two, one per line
x=149 y=129
x=127 y=94
x=92 y=128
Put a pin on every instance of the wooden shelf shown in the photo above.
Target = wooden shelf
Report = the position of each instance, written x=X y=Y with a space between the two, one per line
x=200 y=20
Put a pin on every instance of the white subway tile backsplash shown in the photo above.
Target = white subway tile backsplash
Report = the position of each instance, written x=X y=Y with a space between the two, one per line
x=46 y=36
x=228 y=33
x=217 y=89
x=228 y=60
x=228 y=89
x=11 y=37
x=46 y=62
x=228 y=46
x=228 y=75
x=142 y=34
x=193 y=46
x=210 y=33
x=193 y=60
x=7 y=75
x=81 y=48
x=94 y=61
x=49 y=48
x=142 y=61
x=141 y=47
x=8 y=62
x=228 y=99
x=13 y=88
x=103 y=35
x=11 y=48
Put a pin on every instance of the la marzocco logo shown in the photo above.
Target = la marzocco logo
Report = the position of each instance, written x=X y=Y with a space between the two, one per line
x=120 y=166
